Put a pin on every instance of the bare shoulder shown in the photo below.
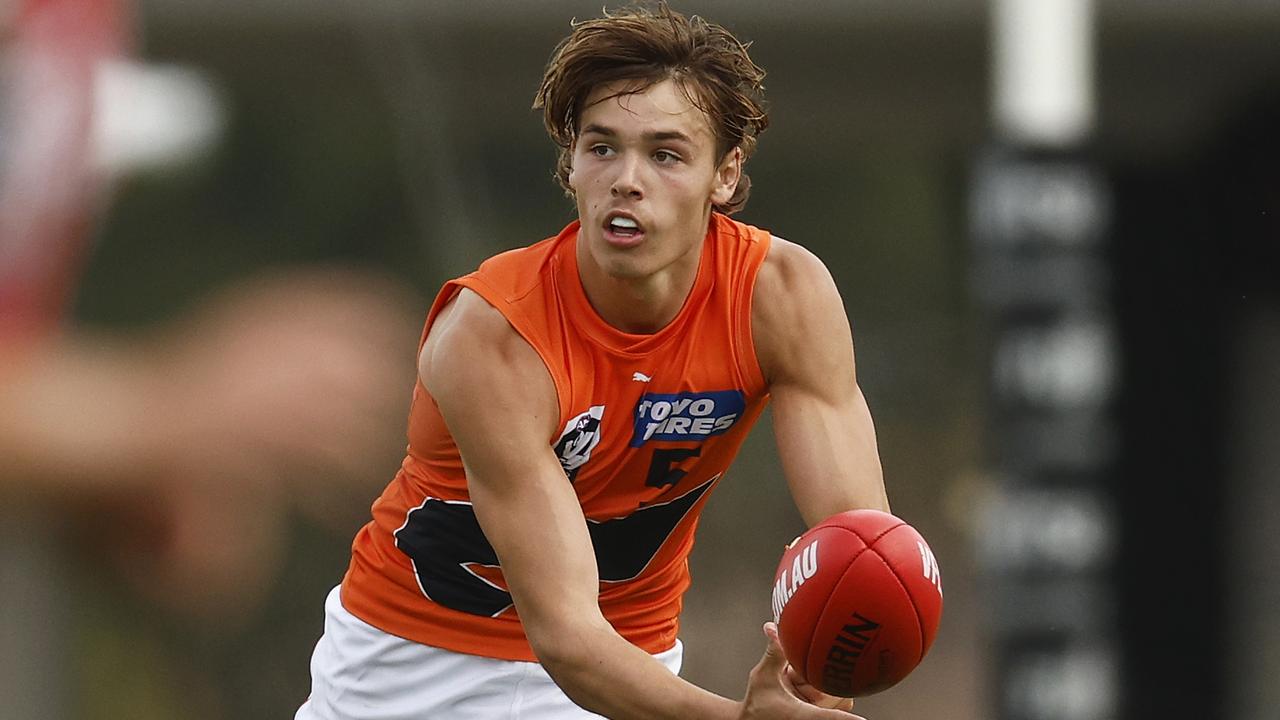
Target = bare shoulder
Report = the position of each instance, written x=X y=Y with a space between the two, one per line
x=789 y=279
x=794 y=306
x=472 y=352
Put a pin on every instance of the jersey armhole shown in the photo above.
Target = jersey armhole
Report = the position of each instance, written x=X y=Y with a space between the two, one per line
x=515 y=317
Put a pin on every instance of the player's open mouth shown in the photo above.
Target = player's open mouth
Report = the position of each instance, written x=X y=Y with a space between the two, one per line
x=622 y=229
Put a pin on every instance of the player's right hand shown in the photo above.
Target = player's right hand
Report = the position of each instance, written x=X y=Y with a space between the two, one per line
x=768 y=697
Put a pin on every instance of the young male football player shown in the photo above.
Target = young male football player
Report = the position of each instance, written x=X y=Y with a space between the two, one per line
x=580 y=398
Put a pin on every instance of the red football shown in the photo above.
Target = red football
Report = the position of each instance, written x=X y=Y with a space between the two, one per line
x=857 y=600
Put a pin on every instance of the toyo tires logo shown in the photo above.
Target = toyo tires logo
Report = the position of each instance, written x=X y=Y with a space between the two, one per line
x=686 y=416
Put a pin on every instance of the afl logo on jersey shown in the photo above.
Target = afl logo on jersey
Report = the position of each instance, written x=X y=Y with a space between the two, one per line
x=581 y=435
x=686 y=416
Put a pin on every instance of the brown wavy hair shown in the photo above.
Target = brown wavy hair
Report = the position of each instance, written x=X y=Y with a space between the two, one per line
x=645 y=45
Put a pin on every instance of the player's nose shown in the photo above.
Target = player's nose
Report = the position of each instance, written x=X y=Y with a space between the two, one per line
x=627 y=181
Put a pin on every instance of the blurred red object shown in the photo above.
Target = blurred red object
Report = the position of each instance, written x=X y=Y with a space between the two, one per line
x=48 y=192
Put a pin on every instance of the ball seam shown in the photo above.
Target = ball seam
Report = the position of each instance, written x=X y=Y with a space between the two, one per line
x=808 y=647
x=907 y=591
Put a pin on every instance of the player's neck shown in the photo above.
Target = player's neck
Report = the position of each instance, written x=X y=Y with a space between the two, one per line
x=640 y=305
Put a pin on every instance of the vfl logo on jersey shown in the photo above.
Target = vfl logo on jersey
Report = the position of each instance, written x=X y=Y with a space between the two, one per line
x=686 y=416
x=581 y=435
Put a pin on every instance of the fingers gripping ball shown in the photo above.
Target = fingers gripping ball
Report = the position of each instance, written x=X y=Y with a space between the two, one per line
x=857 y=600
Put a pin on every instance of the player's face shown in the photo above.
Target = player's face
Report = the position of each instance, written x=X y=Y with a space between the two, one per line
x=645 y=174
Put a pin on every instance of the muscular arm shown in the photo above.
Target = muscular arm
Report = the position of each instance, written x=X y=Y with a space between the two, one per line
x=822 y=425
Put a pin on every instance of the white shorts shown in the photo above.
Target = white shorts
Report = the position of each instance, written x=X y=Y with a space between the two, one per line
x=359 y=672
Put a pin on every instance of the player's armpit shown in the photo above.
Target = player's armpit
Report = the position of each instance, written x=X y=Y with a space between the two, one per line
x=826 y=439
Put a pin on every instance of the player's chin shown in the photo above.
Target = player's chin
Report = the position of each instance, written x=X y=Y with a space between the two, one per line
x=625 y=265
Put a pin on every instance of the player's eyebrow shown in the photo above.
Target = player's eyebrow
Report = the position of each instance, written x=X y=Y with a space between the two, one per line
x=598 y=130
x=668 y=135
x=653 y=135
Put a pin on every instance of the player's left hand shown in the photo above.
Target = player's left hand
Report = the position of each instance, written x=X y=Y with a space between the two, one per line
x=801 y=688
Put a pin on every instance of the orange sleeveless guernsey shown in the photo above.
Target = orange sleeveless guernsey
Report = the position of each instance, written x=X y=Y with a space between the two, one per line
x=648 y=426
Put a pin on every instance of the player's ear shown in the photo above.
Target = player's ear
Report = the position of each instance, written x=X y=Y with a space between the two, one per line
x=566 y=162
x=728 y=173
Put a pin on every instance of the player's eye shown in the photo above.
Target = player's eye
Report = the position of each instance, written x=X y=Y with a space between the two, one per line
x=601 y=150
x=665 y=157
